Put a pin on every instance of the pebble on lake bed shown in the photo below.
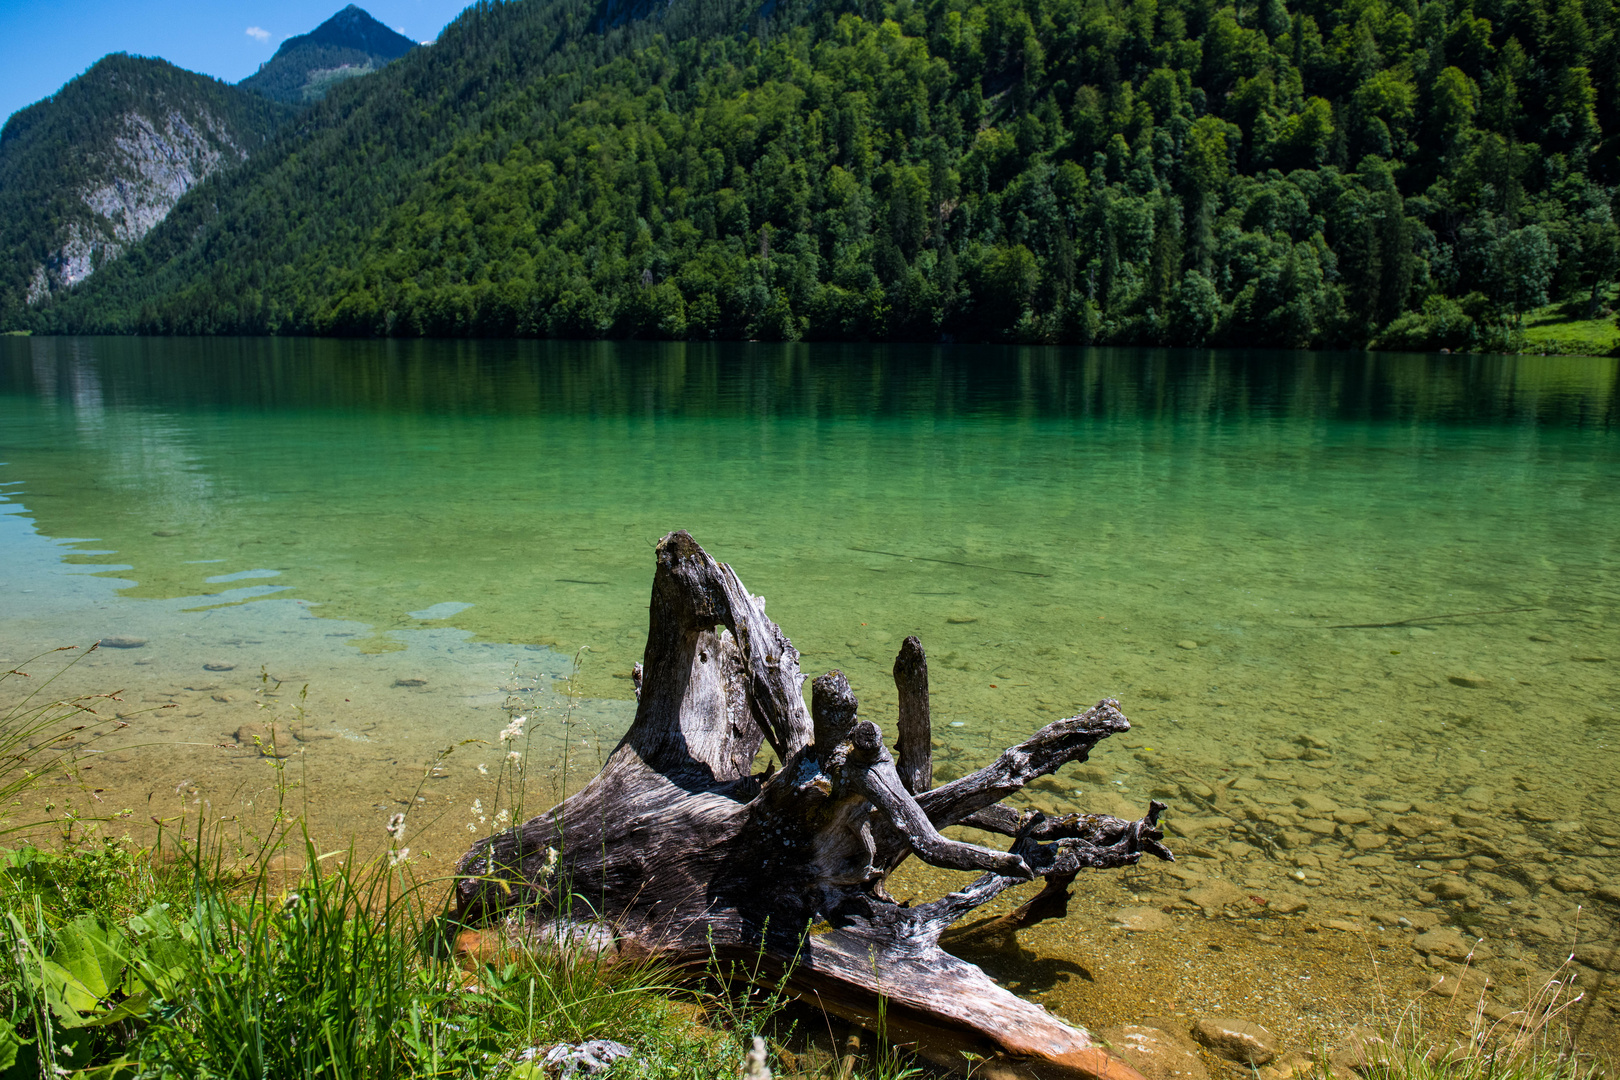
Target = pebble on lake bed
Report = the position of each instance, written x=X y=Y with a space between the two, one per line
x=1156 y=1053
x=219 y=665
x=1186 y=643
x=1140 y=918
x=265 y=739
x=1449 y=945
x=1468 y=680
x=1216 y=896
x=410 y=681
x=119 y=642
x=1449 y=888
x=1236 y=1040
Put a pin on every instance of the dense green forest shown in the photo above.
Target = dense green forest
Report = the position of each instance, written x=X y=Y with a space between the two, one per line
x=349 y=44
x=1325 y=172
x=56 y=152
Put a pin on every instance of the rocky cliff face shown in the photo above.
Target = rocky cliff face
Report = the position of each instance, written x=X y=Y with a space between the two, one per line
x=147 y=167
x=92 y=169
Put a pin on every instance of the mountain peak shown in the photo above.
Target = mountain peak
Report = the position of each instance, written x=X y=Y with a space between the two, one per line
x=353 y=27
x=348 y=44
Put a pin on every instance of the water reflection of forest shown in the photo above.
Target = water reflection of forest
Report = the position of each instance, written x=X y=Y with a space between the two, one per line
x=698 y=379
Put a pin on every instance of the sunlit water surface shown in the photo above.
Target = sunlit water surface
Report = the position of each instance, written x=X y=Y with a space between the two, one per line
x=1363 y=610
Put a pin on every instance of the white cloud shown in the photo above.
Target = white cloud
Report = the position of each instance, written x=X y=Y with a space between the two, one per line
x=258 y=33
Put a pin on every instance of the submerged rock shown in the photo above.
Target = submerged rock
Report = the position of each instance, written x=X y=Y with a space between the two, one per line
x=265 y=739
x=1363 y=1051
x=1156 y=1053
x=120 y=642
x=1140 y=918
x=1449 y=888
x=1236 y=1040
x=1216 y=896
x=1446 y=944
x=1599 y=957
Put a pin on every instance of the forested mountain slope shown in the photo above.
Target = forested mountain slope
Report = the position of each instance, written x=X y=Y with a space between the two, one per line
x=305 y=67
x=1325 y=172
x=89 y=170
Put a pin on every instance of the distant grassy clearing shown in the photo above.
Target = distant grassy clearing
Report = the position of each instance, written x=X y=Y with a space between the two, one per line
x=1564 y=328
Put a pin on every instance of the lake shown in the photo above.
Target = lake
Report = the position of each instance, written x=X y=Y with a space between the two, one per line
x=1363 y=610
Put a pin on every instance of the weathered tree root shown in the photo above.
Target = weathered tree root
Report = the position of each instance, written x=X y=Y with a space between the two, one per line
x=678 y=850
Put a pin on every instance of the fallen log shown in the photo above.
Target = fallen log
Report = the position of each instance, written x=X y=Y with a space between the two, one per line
x=675 y=848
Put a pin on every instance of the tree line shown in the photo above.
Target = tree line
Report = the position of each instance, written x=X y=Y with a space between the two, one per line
x=1321 y=173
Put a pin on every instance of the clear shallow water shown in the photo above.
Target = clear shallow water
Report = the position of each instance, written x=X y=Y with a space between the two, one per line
x=426 y=533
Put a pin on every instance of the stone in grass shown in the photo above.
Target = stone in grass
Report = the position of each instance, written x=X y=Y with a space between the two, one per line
x=1296 y=1064
x=118 y=641
x=1364 y=1052
x=1236 y=1040
x=1156 y=1053
x=582 y=1059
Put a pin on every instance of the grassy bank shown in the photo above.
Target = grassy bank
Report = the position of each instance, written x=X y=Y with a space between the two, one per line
x=1568 y=329
x=125 y=962
x=204 y=956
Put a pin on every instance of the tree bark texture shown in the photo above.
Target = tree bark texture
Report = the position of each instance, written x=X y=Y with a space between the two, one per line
x=675 y=848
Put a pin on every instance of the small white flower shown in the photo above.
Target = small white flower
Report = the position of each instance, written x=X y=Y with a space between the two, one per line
x=514 y=729
x=396 y=828
x=483 y=770
x=514 y=756
x=471 y=827
x=397 y=857
x=503 y=817
x=478 y=806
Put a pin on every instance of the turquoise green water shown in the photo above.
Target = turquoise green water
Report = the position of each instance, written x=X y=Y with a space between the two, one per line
x=1189 y=532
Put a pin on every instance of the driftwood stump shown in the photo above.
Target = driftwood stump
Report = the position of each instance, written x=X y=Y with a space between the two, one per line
x=676 y=849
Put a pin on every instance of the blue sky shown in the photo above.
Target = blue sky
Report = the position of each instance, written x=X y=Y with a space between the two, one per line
x=44 y=43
